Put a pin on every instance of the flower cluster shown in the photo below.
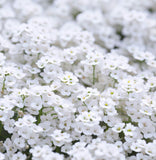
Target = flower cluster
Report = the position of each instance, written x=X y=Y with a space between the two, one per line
x=77 y=80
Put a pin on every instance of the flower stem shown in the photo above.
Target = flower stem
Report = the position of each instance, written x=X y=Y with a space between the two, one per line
x=1 y=127
x=39 y=116
x=93 y=74
x=3 y=86
x=84 y=104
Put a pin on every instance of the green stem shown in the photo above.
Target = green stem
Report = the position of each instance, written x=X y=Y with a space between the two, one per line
x=1 y=126
x=93 y=74
x=84 y=104
x=3 y=86
x=39 y=116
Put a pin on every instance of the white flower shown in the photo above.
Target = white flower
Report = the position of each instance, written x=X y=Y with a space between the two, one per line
x=2 y=156
x=107 y=103
x=82 y=155
x=68 y=78
x=118 y=127
x=129 y=129
x=9 y=125
x=70 y=54
x=150 y=149
x=111 y=111
x=146 y=110
x=89 y=117
x=93 y=58
x=19 y=156
x=151 y=82
x=77 y=79
x=135 y=147
x=3 y=116
x=59 y=138
x=19 y=142
x=87 y=93
x=36 y=151
x=132 y=84
x=28 y=120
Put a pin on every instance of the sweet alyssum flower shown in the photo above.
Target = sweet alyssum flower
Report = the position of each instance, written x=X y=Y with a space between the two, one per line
x=77 y=79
